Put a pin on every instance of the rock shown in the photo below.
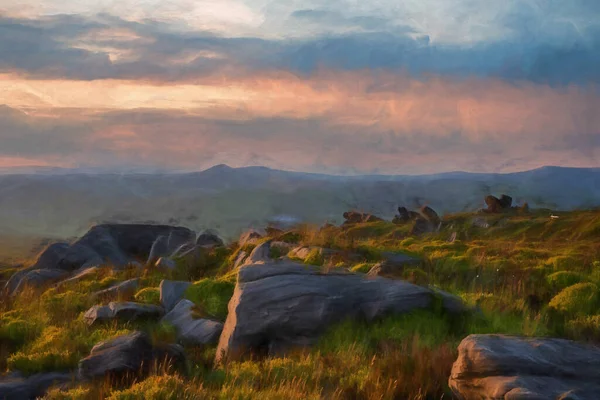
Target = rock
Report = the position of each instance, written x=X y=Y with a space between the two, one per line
x=403 y=214
x=119 y=289
x=171 y=292
x=209 y=239
x=480 y=223
x=430 y=215
x=124 y=311
x=260 y=254
x=506 y=367
x=38 y=278
x=276 y=306
x=165 y=263
x=128 y=355
x=189 y=329
x=160 y=248
x=249 y=237
x=393 y=264
x=422 y=226
x=50 y=257
x=493 y=204
x=79 y=275
x=505 y=201
x=239 y=260
x=35 y=386
x=355 y=217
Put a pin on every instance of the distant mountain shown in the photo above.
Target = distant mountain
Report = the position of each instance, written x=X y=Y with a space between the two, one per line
x=60 y=203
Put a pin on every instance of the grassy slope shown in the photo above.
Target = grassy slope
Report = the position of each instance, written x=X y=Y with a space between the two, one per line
x=528 y=274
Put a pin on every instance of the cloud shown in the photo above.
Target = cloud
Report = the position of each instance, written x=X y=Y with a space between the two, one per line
x=360 y=120
x=74 y=47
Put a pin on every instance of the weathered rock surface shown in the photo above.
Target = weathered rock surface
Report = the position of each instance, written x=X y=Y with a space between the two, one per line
x=189 y=329
x=35 y=386
x=430 y=215
x=249 y=237
x=171 y=292
x=393 y=263
x=125 y=311
x=505 y=367
x=239 y=260
x=260 y=254
x=119 y=289
x=209 y=239
x=79 y=275
x=129 y=354
x=37 y=278
x=118 y=245
x=277 y=306
x=165 y=263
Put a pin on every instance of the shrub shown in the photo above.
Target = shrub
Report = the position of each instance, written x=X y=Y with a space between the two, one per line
x=580 y=299
x=563 y=279
x=211 y=296
x=148 y=296
x=77 y=393
x=53 y=360
x=584 y=328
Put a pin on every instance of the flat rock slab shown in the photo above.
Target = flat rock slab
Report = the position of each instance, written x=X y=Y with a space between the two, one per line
x=508 y=367
x=125 y=311
x=35 y=386
x=287 y=304
x=190 y=330
x=131 y=355
x=171 y=292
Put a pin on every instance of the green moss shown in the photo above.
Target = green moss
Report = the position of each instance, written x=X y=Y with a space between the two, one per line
x=580 y=299
x=148 y=296
x=211 y=296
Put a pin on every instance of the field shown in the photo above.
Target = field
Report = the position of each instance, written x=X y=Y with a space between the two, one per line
x=525 y=274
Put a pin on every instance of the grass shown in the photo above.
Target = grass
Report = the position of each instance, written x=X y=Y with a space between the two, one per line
x=525 y=275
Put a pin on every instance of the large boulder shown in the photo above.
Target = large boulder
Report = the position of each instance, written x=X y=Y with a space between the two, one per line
x=506 y=367
x=33 y=387
x=191 y=330
x=171 y=292
x=51 y=256
x=276 y=306
x=123 y=311
x=129 y=355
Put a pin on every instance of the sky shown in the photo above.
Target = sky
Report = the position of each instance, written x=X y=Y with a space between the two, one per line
x=334 y=86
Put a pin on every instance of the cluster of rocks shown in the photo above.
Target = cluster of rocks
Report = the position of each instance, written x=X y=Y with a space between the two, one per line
x=282 y=304
x=117 y=245
x=424 y=221
x=503 y=204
